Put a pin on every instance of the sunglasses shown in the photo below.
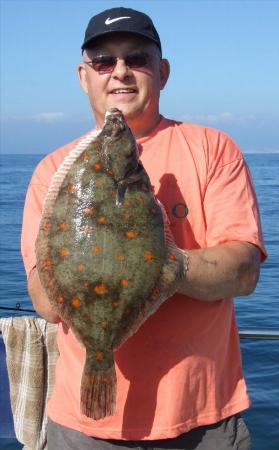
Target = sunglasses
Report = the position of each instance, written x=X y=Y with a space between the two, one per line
x=106 y=64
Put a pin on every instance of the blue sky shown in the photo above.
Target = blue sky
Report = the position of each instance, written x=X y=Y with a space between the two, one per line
x=224 y=69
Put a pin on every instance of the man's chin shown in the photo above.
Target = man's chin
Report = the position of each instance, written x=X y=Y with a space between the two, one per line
x=128 y=111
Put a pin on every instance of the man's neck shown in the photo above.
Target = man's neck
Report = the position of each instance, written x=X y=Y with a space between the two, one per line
x=139 y=127
x=141 y=130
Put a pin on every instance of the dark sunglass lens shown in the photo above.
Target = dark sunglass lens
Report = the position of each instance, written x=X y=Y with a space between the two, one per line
x=104 y=64
x=136 y=61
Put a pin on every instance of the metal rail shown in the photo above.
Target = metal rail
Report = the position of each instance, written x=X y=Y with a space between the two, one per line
x=259 y=334
x=17 y=308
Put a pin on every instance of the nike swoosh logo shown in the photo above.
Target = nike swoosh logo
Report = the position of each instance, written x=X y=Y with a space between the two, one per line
x=109 y=21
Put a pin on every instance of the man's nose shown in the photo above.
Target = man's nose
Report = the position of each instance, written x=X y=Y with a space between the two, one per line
x=121 y=69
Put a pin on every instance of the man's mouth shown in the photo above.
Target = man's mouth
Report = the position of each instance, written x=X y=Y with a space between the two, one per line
x=124 y=91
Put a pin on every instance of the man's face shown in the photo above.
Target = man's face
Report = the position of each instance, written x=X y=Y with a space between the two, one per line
x=135 y=91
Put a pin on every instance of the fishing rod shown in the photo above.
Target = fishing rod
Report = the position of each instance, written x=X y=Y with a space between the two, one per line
x=249 y=333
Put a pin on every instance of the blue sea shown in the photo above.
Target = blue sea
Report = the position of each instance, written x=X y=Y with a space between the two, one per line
x=260 y=310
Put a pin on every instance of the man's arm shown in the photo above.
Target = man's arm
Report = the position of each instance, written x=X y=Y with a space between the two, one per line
x=40 y=299
x=223 y=271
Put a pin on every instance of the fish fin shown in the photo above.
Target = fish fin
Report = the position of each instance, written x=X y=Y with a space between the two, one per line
x=98 y=393
x=177 y=260
x=136 y=176
x=42 y=246
x=63 y=169
x=121 y=189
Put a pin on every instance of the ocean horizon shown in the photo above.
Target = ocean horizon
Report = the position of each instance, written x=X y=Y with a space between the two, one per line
x=245 y=152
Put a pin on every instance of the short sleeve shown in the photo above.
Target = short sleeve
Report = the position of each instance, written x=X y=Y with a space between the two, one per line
x=32 y=214
x=230 y=203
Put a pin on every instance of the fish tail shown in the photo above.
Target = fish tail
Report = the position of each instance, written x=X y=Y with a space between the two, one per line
x=98 y=393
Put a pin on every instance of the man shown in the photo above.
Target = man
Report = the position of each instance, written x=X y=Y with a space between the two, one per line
x=179 y=378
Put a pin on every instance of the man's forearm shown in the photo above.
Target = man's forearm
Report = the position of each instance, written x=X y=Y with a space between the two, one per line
x=40 y=299
x=223 y=271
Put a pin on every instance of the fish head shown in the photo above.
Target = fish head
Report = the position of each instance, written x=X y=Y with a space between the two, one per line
x=120 y=150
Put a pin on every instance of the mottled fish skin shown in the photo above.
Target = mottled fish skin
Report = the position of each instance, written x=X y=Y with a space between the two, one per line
x=101 y=253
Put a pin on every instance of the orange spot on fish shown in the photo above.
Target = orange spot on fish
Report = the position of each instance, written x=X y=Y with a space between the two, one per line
x=101 y=220
x=47 y=226
x=85 y=284
x=126 y=216
x=171 y=258
x=155 y=292
x=99 y=356
x=141 y=200
x=98 y=166
x=104 y=325
x=60 y=299
x=47 y=263
x=72 y=188
x=96 y=249
x=115 y=304
x=63 y=226
x=75 y=302
x=85 y=156
x=148 y=256
x=120 y=257
x=131 y=234
x=110 y=172
x=64 y=252
x=124 y=282
x=126 y=204
x=89 y=211
x=80 y=268
x=100 y=289
x=113 y=193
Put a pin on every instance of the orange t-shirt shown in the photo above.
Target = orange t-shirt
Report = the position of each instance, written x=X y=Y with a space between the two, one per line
x=182 y=368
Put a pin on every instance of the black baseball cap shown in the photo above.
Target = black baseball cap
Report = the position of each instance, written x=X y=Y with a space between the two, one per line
x=116 y=20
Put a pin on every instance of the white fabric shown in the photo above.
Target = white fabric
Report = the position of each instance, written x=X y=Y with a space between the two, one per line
x=31 y=354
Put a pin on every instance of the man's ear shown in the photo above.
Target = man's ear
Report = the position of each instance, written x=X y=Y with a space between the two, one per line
x=164 y=72
x=82 y=76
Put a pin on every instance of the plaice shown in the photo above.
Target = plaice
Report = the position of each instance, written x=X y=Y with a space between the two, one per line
x=103 y=254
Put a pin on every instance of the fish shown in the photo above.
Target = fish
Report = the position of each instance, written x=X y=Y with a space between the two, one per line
x=103 y=254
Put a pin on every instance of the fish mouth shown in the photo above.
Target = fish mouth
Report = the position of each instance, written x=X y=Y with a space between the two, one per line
x=114 y=117
x=114 y=112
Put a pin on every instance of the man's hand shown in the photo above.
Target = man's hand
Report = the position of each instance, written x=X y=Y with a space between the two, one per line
x=40 y=299
x=223 y=271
